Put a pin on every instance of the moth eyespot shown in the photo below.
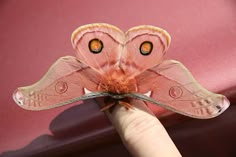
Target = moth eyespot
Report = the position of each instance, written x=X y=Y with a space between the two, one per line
x=146 y=48
x=95 y=46
x=61 y=87
x=175 y=92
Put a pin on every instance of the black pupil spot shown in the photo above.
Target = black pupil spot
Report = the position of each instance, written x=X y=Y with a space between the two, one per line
x=146 y=48
x=95 y=45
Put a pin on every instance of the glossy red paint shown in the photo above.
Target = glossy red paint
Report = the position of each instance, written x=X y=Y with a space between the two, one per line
x=34 y=34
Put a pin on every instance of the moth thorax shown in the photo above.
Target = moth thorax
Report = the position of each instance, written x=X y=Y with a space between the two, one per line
x=117 y=82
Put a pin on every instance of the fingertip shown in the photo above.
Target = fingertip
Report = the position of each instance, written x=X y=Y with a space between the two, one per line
x=141 y=132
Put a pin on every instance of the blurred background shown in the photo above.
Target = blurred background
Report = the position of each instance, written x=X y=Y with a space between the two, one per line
x=34 y=34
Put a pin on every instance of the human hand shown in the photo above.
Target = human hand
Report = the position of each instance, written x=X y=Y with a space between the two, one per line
x=141 y=132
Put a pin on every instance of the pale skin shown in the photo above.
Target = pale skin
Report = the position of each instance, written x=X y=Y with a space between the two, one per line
x=141 y=132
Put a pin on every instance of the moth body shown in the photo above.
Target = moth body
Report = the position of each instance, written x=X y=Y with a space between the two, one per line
x=116 y=81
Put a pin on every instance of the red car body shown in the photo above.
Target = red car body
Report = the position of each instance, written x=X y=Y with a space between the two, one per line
x=34 y=34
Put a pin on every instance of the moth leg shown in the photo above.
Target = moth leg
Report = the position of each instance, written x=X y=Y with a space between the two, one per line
x=107 y=107
x=109 y=104
x=126 y=105
x=146 y=104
